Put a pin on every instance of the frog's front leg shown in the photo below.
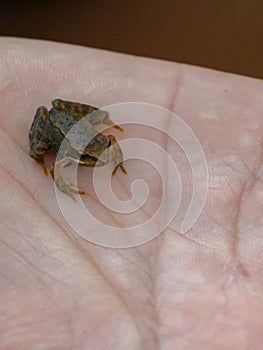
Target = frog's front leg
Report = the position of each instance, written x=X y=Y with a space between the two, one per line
x=116 y=155
x=102 y=117
x=39 y=136
x=60 y=182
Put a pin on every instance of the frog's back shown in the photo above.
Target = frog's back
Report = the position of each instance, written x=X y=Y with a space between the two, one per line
x=78 y=130
x=63 y=121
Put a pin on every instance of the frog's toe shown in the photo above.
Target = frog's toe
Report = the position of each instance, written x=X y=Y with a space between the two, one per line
x=115 y=126
x=120 y=165
x=72 y=191
x=41 y=162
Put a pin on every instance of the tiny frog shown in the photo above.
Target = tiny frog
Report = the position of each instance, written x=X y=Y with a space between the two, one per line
x=50 y=128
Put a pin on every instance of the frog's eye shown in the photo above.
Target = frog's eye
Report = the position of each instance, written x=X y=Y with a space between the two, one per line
x=58 y=104
x=100 y=138
x=91 y=143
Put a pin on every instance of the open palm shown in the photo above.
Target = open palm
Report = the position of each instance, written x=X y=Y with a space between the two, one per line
x=199 y=290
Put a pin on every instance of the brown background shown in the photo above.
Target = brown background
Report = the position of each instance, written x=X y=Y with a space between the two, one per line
x=221 y=34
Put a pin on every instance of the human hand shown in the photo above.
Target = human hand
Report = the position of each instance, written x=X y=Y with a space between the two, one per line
x=198 y=290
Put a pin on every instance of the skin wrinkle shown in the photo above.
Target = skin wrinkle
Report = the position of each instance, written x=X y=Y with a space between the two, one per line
x=85 y=253
x=228 y=229
x=246 y=189
x=176 y=88
x=235 y=240
x=236 y=228
x=133 y=263
x=154 y=298
x=155 y=327
x=34 y=272
x=160 y=239
x=113 y=288
x=41 y=253
x=250 y=171
x=156 y=341
x=91 y=259
x=192 y=240
x=46 y=286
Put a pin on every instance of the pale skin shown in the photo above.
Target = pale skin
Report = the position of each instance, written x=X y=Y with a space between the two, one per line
x=202 y=290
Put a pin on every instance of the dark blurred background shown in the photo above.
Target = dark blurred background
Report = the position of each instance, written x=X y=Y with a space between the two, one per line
x=221 y=34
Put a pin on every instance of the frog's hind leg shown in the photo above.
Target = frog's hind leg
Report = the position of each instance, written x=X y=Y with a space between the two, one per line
x=39 y=136
x=60 y=182
x=116 y=155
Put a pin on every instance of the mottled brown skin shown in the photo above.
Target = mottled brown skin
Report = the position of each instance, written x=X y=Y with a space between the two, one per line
x=49 y=130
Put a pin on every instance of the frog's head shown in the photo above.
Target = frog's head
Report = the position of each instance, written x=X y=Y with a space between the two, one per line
x=58 y=104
